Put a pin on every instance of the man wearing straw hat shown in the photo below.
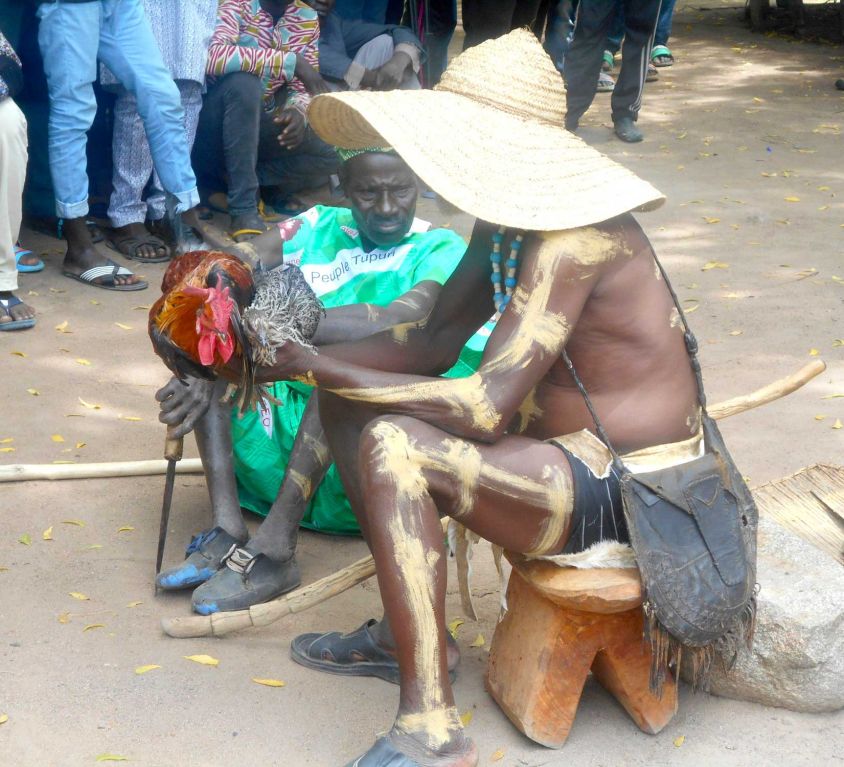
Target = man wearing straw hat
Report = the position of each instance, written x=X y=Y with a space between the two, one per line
x=485 y=450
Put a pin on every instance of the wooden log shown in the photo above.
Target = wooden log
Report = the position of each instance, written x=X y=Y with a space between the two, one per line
x=219 y=624
x=21 y=472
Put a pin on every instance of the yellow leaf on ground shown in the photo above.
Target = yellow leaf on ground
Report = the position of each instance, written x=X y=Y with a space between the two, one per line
x=205 y=660
x=838 y=342
x=7 y=440
x=57 y=438
x=4 y=718
x=814 y=352
x=135 y=604
x=18 y=354
x=94 y=546
x=479 y=641
x=79 y=595
x=129 y=418
x=111 y=758
x=679 y=741
x=7 y=450
x=89 y=405
x=4 y=569
x=823 y=188
x=837 y=424
x=692 y=309
x=47 y=535
x=454 y=626
x=144 y=669
x=714 y=265
x=25 y=539
x=80 y=445
x=466 y=718
x=33 y=392
x=82 y=361
x=820 y=417
x=142 y=307
x=64 y=618
x=122 y=326
x=736 y=332
x=125 y=529
x=792 y=199
x=91 y=626
x=269 y=682
x=75 y=522
x=62 y=327
x=711 y=220
x=497 y=756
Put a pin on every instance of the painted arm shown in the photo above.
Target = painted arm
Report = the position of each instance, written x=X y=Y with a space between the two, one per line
x=355 y=321
x=528 y=339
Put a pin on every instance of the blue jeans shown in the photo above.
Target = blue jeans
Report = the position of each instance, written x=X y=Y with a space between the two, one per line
x=72 y=36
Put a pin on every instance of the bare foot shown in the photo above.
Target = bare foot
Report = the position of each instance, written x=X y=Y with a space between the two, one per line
x=29 y=260
x=136 y=242
x=12 y=309
x=82 y=255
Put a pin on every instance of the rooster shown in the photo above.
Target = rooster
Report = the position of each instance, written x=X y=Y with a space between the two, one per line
x=214 y=306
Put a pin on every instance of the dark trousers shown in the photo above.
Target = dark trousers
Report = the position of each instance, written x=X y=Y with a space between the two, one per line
x=486 y=19
x=583 y=60
x=238 y=140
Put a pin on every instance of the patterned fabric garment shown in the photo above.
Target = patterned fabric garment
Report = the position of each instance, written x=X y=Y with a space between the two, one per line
x=8 y=58
x=183 y=31
x=247 y=40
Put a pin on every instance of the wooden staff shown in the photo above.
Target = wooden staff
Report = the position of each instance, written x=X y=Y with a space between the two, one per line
x=221 y=623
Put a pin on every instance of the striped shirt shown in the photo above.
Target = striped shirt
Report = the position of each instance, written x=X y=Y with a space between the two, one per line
x=247 y=40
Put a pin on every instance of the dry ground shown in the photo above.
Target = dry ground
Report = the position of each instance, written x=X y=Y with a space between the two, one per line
x=744 y=137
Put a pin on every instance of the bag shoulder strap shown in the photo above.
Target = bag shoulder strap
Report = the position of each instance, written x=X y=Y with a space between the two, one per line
x=691 y=350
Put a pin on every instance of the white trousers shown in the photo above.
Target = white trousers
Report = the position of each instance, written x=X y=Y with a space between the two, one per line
x=13 y=159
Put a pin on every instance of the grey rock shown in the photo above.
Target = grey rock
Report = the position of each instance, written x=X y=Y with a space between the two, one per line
x=797 y=660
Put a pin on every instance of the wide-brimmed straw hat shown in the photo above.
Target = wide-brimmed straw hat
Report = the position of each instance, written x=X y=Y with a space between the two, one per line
x=490 y=139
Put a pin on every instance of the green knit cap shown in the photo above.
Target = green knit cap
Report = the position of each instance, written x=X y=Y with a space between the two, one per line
x=346 y=154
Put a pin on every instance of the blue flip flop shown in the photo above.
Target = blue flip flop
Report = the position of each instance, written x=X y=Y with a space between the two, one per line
x=25 y=268
x=5 y=305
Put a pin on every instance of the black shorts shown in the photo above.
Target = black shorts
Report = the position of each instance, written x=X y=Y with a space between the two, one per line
x=597 y=513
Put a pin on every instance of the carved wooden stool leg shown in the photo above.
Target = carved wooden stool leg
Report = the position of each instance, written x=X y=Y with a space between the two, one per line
x=623 y=666
x=539 y=660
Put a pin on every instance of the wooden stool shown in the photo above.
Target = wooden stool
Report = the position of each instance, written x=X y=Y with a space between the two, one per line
x=561 y=622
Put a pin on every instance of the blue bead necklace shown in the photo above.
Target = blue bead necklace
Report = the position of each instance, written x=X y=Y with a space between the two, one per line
x=502 y=294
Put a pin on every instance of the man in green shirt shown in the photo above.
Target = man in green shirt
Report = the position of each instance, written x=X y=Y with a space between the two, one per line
x=374 y=266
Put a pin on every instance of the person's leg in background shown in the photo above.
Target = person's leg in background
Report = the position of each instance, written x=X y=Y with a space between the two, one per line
x=486 y=19
x=614 y=38
x=661 y=54
x=559 y=30
x=524 y=14
x=442 y=21
x=14 y=313
x=640 y=25
x=583 y=61
x=68 y=37
x=229 y=128
x=379 y=51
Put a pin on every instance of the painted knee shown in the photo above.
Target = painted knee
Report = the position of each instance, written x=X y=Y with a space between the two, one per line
x=388 y=454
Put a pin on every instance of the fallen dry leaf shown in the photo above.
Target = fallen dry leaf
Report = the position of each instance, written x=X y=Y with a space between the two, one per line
x=18 y=354
x=4 y=718
x=837 y=424
x=57 y=438
x=466 y=718
x=478 y=641
x=838 y=342
x=125 y=529
x=454 y=626
x=736 y=332
x=144 y=669
x=7 y=450
x=792 y=198
x=89 y=405
x=62 y=327
x=122 y=326
x=92 y=626
x=6 y=440
x=25 y=539
x=33 y=392
x=714 y=265
x=64 y=618
x=129 y=418
x=497 y=756
x=692 y=309
x=711 y=220
x=205 y=660
x=79 y=595
x=679 y=741
x=47 y=535
x=75 y=522
x=269 y=682
x=82 y=361
x=111 y=758
x=135 y=604
x=80 y=445
x=94 y=546
x=814 y=352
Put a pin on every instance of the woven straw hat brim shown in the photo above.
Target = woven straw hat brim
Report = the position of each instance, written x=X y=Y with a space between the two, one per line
x=500 y=167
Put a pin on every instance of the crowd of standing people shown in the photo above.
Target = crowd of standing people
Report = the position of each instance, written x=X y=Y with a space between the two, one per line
x=204 y=104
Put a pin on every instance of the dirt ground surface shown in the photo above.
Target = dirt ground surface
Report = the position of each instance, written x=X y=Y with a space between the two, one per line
x=743 y=135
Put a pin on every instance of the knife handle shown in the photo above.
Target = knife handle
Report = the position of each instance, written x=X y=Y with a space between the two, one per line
x=173 y=446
